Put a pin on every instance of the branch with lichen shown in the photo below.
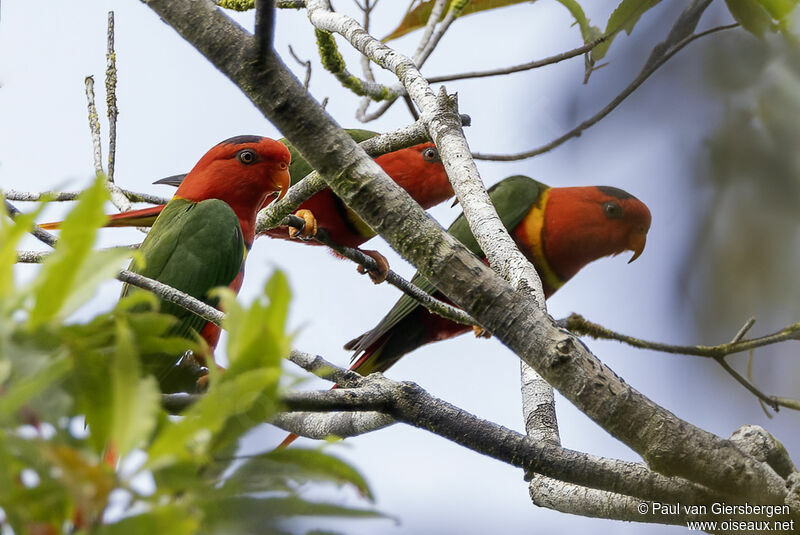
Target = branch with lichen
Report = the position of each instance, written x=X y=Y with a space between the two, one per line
x=668 y=444
x=333 y=62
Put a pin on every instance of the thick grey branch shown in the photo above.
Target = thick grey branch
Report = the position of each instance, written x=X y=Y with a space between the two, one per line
x=670 y=445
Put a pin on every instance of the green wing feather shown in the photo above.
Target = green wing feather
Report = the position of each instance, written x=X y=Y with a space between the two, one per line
x=192 y=247
x=299 y=167
x=513 y=198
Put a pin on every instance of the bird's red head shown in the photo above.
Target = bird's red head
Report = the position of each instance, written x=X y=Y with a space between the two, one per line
x=583 y=224
x=420 y=172
x=243 y=171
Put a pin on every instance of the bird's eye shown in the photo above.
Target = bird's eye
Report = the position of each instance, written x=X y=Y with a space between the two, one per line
x=430 y=154
x=612 y=210
x=284 y=165
x=246 y=156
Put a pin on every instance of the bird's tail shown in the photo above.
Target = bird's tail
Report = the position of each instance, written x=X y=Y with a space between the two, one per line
x=135 y=218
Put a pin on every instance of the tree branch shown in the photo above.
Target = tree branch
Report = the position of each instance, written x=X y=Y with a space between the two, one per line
x=119 y=200
x=409 y=403
x=523 y=66
x=653 y=64
x=265 y=26
x=425 y=299
x=579 y=325
x=168 y=293
x=61 y=196
x=111 y=104
x=408 y=136
x=670 y=445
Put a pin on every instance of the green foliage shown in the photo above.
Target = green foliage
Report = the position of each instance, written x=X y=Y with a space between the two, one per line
x=624 y=17
x=237 y=5
x=76 y=405
x=762 y=16
x=743 y=262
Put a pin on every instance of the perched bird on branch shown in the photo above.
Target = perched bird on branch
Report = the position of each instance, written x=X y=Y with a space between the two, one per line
x=560 y=230
x=416 y=169
x=199 y=240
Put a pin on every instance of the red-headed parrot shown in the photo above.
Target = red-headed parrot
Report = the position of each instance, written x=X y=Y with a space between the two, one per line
x=416 y=169
x=200 y=239
x=560 y=230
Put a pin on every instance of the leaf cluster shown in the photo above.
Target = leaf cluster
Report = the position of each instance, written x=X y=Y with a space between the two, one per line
x=85 y=444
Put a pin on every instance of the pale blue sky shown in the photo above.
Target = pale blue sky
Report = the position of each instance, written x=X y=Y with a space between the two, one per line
x=174 y=106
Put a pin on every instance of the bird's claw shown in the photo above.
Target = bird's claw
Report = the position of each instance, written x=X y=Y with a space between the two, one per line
x=480 y=332
x=383 y=267
x=309 y=229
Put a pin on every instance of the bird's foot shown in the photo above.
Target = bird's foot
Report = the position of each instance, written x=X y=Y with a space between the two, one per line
x=201 y=385
x=309 y=229
x=480 y=332
x=379 y=275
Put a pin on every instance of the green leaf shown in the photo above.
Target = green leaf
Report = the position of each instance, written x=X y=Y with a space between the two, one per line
x=624 y=17
x=120 y=405
x=192 y=437
x=588 y=32
x=174 y=519
x=296 y=464
x=23 y=390
x=779 y=9
x=136 y=400
x=418 y=17
x=253 y=515
x=59 y=273
x=11 y=232
x=752 y=16
x=98 y=267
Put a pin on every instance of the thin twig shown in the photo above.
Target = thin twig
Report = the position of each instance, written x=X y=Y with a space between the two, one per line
x=168 y=293
x=578 y=325
x=433 y=20
x=434 y=305
x=456 y=8
x=62 y=196
x=366 y=64
x=111 y=98
x=738 y=377
x=650 y=68
x=94 y=126
x=306 y=64
x=37 y=257
x=117 y=197
x=523 y=66
x=38 y=232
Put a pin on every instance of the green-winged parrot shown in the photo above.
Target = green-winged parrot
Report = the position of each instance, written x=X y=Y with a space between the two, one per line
x=560 y=230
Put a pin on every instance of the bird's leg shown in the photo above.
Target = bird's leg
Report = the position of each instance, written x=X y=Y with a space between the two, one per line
x=379 y=275
x=309 y=229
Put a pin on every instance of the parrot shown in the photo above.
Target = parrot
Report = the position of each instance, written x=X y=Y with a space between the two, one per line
x=416 y=169
x=560 y=230
x=200 y=239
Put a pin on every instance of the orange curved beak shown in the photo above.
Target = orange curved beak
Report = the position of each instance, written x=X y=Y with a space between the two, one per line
x=636 y=242
x=283 y=181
